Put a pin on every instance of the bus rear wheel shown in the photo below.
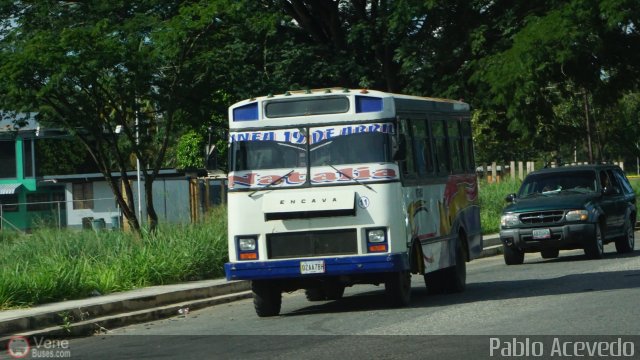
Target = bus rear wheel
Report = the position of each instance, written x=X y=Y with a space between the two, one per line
x=456 y=276
x=449 y=280
x=434 y=281
x=267 y=298
x=397 y=288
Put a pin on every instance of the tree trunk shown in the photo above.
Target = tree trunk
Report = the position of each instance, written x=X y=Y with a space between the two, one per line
x=152 y=216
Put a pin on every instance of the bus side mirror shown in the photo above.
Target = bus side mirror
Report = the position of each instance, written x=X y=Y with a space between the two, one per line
x=399 y=147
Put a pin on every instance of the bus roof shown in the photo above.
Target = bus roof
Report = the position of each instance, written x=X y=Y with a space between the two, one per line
x=332 y=105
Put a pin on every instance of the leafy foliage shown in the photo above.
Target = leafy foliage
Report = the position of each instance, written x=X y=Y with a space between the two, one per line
x=189 y=152
x=93 y=67
x=62 y=156
x=536 y=72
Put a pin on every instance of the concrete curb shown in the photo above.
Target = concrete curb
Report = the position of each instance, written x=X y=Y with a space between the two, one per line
x=99 y=314
x=492 y=245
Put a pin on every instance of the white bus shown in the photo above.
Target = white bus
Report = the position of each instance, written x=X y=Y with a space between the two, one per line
x=336 y=187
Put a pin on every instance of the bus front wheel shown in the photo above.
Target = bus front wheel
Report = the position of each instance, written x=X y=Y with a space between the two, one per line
x=397 y=288
x=267 y=298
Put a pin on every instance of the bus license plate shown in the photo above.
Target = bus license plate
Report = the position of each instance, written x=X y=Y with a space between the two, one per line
x=541 y=234
x=312 y=267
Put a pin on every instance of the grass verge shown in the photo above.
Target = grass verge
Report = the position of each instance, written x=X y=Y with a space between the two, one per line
x=492 y=202
x=51 y=265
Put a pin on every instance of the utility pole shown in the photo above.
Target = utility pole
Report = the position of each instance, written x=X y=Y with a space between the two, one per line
x=138 y=166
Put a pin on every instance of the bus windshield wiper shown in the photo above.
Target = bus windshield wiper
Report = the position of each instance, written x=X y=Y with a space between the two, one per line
x=351 y=177
x=282 y=178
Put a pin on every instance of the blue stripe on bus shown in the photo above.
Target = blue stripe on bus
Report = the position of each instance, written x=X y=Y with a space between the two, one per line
x=253 y=270
x=368 y=104
x=247 y=112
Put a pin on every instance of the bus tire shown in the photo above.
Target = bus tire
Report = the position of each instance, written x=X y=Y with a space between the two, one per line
x=435 y=282
x=456 y=276
x=267 y=298
x=397 y=288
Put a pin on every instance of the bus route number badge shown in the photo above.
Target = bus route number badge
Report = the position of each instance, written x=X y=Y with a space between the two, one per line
x=364 y=202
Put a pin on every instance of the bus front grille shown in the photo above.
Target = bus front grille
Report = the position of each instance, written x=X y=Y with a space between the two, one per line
x=312 y=243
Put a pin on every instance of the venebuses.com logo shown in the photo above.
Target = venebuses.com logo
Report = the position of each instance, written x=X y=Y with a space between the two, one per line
x=19 y=347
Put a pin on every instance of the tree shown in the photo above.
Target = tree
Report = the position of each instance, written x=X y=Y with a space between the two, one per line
x=354 y=41
x=574 y=55
x=118 y=75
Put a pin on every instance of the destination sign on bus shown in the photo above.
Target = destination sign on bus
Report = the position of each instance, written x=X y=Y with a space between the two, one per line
x=319 y=175
x=296 y=136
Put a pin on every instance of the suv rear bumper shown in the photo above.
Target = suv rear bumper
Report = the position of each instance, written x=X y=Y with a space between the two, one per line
x=570 y=236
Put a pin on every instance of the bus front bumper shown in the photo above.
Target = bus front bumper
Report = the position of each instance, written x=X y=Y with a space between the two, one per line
x=333 y=266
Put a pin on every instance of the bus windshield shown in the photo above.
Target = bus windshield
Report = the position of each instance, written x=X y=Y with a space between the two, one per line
x=262 y=155
x=349 y=148
x=330 y=145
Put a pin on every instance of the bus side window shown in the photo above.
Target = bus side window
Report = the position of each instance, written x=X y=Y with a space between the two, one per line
x=467 y=145
x=407 y=166
x=455 y=144
x=439 y=140
x=422 y=147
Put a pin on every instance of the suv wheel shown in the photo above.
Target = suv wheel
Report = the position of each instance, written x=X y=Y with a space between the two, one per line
x=549 y=253
x=626 y=243
x=513 y=255
x=595 y=248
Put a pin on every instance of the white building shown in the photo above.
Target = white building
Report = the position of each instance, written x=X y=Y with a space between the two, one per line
x=89 y=198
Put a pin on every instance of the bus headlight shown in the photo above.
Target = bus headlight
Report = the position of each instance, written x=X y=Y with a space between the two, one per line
x=508 y=220
x=376 y=236
x=247 y=243
x=577 y=215
x=377 y=240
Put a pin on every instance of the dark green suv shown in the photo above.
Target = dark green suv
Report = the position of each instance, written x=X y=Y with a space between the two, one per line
x=570 y=207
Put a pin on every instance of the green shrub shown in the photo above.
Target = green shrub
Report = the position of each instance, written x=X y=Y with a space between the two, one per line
x=635 y=183
x=492 y=202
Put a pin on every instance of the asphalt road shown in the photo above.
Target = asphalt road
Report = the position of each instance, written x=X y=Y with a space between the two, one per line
x=541 y=300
